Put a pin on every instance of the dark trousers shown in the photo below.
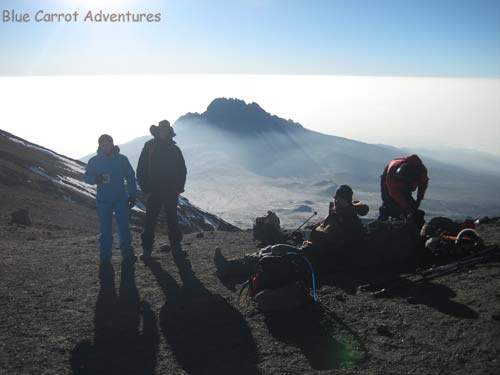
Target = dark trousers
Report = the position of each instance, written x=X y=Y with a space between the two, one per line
x=156 y=202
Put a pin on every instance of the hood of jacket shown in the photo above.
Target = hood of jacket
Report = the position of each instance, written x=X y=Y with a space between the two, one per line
x=116 y=150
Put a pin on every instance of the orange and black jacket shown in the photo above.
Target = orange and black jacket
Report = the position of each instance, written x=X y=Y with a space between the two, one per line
x=400 y=191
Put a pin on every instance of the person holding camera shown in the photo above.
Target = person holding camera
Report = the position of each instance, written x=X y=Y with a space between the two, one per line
x=109 y=170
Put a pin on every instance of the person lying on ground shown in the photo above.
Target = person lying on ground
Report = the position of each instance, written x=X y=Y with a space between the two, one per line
x=109 y=170
x=333 y=239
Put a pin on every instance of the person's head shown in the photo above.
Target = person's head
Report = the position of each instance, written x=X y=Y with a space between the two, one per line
x=106 y=144
x=165 y=131
x=408 y=172
x=343 y=196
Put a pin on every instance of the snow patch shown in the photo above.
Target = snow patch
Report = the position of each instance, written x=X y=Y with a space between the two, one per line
x=65 y=181
x=69 y=164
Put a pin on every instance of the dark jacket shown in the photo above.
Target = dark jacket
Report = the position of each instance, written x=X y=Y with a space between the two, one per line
x=161 y=167
x=341 y=228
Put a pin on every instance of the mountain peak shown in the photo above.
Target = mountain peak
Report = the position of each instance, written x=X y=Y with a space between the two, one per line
x=233 y=114
x=219 y=104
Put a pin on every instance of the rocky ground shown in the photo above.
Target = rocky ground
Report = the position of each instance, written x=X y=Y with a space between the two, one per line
x=59 y=315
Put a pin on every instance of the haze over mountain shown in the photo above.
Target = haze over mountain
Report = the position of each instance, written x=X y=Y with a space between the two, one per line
x=243 y=161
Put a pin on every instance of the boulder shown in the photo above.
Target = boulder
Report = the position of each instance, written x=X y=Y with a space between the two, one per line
x=21 y=217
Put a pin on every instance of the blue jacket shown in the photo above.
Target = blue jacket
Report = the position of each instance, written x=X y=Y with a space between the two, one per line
x=119 y=169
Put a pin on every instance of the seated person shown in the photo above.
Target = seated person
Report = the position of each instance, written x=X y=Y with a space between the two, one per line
x=340 y=231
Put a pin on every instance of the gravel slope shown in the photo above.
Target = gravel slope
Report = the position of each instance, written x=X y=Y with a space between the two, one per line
x=59 y=315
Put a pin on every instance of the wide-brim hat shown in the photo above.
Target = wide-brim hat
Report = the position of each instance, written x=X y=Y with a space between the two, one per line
x=154 y=129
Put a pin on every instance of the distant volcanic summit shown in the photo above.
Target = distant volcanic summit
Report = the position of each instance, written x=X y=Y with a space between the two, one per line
x=237 y=116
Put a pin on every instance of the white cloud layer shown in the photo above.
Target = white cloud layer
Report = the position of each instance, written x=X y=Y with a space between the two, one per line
x=68 y=113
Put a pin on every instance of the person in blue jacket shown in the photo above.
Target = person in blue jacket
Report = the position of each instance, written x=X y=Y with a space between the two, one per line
x=109 y=170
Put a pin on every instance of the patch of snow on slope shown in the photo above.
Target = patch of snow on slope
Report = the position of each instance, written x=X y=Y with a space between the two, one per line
x=69 y=164
x=68 y=182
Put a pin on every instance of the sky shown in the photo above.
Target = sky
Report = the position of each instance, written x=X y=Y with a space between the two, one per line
x=452 y=38
x=405 y=73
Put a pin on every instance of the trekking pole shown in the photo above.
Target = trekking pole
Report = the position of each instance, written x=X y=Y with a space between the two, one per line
x=488 y=253
x=304 y=223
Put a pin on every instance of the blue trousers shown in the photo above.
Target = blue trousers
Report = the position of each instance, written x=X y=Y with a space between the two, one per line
x=105 y=212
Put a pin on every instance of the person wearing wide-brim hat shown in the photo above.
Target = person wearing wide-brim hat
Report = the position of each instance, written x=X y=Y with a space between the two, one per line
x=161 y=172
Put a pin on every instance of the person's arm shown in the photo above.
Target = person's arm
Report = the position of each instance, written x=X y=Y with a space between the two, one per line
x=422 y=186
x=129 y=175
x=182 y=170
x=90 y=176
x=143 y=169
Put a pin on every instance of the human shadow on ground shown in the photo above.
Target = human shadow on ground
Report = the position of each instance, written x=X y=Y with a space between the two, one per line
x=206 y=334
x=326 y=341
x=437 y=296
x=119 y=347
x=389 y=283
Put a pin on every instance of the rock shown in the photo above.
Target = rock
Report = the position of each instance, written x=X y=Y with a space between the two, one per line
x=21 y=217
x=200 y=235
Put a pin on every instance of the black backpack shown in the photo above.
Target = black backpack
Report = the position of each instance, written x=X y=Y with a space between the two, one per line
x=280 y=282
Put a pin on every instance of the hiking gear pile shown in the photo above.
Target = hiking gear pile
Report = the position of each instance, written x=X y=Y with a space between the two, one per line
x=280 y=279
x=267 y=229
x=392 y=242
x=444 y=237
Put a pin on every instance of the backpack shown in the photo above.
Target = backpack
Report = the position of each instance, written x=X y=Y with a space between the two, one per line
x=267 y=229
x=444 y=237
x=279 y=282
x=393 y=242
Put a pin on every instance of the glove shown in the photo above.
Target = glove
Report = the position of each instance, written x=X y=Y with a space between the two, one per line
x=131 y=202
